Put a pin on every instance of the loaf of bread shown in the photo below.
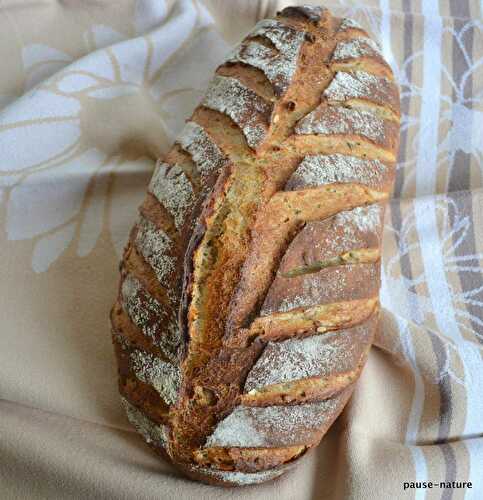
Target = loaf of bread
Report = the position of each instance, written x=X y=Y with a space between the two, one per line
x=249 y=286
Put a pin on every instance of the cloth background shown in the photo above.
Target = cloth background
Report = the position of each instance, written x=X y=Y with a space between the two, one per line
x=91 y=92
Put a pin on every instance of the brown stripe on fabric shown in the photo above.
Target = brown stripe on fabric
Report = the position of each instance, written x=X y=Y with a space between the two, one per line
x=405 y=103
x=445 y=407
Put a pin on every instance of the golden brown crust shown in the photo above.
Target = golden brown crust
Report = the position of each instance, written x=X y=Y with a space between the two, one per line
x=249 y=287
x=302 y=321
x=247 y=459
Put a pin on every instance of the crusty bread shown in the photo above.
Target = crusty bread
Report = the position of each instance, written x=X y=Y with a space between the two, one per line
x=249 y=287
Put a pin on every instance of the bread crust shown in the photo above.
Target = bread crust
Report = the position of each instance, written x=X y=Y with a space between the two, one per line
x=248 y=299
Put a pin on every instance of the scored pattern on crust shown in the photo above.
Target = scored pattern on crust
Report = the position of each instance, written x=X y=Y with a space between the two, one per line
x=278 y=64
x=150 y=317
x=244 y=106
x=173 y=189
x=317 y=170
x=348 y=230
x=308 y=288
x=164 y=377
x=275 y=226
x=364 y=123
x=204 y=151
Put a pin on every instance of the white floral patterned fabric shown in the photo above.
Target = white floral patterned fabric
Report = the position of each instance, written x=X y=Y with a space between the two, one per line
x=91 y=93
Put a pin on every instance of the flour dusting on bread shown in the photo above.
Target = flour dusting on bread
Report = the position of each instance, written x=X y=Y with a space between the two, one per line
x=155 y=246
x=348 y=23
x=164 y=377
x=151 y=432
x=173 y=189
x=356 y=47
x=365 y=219
x=296 y=359
x=318 y=170
x=270 y=426
x=361 y=85
x=150 y=317
x=331 y=120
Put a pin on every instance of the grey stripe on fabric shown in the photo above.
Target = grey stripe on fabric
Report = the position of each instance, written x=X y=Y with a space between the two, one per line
x=450 y=462
x=459 y=178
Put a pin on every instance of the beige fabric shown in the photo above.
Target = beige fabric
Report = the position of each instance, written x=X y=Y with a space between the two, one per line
x=90 y=94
